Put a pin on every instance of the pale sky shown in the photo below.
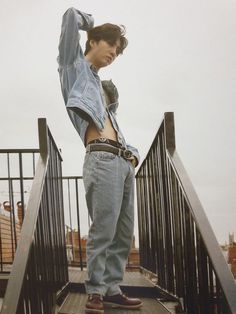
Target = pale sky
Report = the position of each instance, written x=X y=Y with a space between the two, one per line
x=180 y=57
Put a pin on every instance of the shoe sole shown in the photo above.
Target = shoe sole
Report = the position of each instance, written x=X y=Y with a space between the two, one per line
x=115 y=305
x=93 y=311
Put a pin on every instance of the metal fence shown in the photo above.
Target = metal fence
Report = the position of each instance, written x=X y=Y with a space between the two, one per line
x=77 y=223
x=40 y=267
x=17 y=169
x=176 y=240
x=77 y=220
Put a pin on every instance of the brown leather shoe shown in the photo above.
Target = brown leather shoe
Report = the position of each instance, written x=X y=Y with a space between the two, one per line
x=94 y=304
x=121 y=301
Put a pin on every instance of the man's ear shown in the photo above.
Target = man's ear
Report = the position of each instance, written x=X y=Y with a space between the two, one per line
x=92 y=43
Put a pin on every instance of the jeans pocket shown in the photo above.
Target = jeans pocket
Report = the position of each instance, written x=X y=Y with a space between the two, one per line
x=103 y=156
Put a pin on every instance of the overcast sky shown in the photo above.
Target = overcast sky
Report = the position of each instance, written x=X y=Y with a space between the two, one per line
x=180 y=57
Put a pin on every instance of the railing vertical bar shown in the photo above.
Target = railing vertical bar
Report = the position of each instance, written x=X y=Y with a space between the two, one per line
x=162 y=275
x=219 y=307
x=22 y=185
x=62 y=225
x=147 y=217
x=142 y=210
x=33 y=282
x=175 y=227
x=46 y=246
x=53 y=212
x=153 y=208
x=39 y=260
x=9 y=193
x=33 y=157
x=211 y=286
x=179 y=279
x=13 y=221
x=53 y=238
x=143 y=219
x=202 y=273
x=70 y=217
x=170 y=217
x=184 y=251
x=48 y=258
x=60 y=218
x=56 y=188
x=191 y=263
x=78 y=223
x=159 y=243
x=139 y=219
x=57 y=225
x=168 y=222
x=150 y=228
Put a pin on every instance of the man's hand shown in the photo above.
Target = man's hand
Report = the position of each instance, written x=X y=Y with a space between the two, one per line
x=133 y=160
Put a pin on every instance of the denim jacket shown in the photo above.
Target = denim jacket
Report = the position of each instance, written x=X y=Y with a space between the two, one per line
x=80 y=84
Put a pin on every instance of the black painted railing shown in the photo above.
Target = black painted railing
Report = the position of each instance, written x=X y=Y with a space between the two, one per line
x=40 y=267
x=75 y=229
x=77 y=223
x=177 y=243
x=17 y=169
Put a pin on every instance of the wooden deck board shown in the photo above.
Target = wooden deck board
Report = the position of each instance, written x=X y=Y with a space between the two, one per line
x=75 y=304
x=131 y=278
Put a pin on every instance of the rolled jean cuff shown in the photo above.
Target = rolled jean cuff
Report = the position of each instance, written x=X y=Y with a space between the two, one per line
x=113 y=290
x=90 y=289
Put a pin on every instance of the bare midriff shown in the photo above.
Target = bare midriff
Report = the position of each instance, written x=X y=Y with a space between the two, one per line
x=93 y=133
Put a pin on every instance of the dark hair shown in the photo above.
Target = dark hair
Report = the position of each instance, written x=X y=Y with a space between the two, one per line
x=108 y=32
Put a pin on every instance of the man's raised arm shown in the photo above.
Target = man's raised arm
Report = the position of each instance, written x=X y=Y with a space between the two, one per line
x=73 y=20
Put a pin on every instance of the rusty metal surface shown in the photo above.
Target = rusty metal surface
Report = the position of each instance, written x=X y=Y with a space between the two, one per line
x=130 y=278
x=75 y=304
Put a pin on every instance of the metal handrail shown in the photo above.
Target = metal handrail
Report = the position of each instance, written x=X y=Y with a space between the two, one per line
x=40 y=266
x=19 y=150
x=176 y=240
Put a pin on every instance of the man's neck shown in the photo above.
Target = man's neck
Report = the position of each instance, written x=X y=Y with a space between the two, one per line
x=90 y=60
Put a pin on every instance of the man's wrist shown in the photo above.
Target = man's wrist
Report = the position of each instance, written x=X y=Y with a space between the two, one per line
x=134 y=161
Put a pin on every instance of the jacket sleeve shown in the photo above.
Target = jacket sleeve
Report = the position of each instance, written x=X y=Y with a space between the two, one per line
x=134 y=152
x=73 y=20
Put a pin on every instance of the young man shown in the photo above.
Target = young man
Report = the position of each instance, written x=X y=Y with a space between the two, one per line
x=108 y=170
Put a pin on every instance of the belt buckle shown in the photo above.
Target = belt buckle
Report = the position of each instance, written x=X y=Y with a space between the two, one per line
x=102 y=139
x=127 y=153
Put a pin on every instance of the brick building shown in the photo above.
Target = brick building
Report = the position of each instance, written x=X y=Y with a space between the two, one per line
x=72 y=243
x=232 y=254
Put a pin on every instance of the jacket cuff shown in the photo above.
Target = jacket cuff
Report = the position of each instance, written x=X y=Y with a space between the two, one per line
x=135 y=153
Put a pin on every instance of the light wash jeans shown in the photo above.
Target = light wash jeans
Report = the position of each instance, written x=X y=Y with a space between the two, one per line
x=109 y=187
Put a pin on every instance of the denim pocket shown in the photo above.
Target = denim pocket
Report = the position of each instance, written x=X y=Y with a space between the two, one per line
x=103 y=156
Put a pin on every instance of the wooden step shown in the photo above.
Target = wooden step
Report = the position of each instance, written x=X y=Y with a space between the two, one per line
x=75 y=304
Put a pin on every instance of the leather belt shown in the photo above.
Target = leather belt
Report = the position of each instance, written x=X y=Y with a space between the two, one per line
x=125 y=153
x=104 y=140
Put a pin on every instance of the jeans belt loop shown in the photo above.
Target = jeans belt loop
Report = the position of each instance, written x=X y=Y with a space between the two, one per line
x=119 y=152
x=88 y=148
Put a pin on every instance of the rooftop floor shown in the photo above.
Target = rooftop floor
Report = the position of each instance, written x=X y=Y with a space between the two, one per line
x=134 y=283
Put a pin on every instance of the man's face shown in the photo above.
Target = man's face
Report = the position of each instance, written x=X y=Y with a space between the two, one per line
x=103 y=53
